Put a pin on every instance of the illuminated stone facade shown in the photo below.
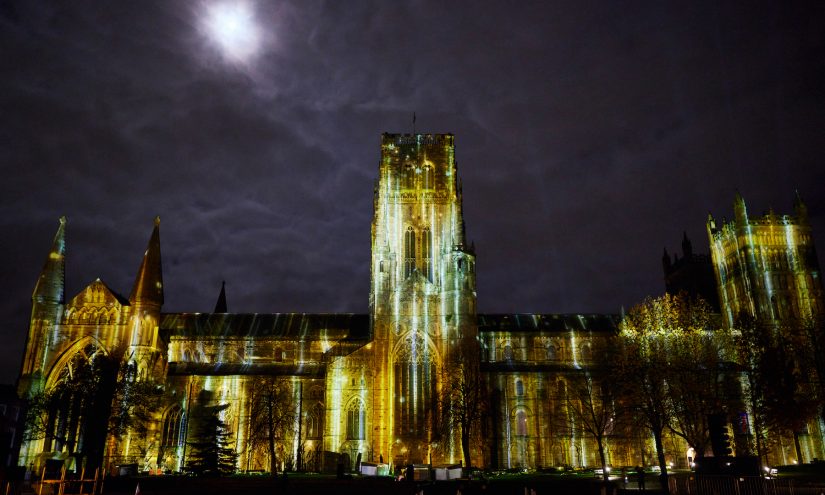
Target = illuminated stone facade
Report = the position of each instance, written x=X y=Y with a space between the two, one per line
x=365 y=384
x=766 y=266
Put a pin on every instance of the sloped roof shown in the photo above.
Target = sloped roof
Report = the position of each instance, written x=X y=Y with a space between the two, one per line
x=333 y=326
x=89 y=293
x=524 y=322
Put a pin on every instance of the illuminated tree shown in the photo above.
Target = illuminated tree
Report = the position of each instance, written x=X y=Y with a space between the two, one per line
x=591 y=404
x=272 y=412
x=773 y=357
x=812 y=330
x=92 y=386
x=656 y=366
x=464 y=400
x=211 y=449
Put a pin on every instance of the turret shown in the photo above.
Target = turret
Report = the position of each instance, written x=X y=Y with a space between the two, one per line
x=146 y=300
x=47 y=309
x=687 y=247
x=740 y=210
x=49 y=288
x=148 y=287
x=799 y=208
x=220 y=304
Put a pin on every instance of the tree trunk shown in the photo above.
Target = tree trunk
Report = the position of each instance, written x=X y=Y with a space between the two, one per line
x=660 y=454
x=798 y=447
x=465 y=446
x=273 y=461
x=605 y=474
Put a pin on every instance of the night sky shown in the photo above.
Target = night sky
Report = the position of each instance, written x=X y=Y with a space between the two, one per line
x=588 y=137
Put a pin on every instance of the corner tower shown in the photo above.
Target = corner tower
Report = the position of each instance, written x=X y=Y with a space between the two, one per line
x=766 y=266
x=423 y=292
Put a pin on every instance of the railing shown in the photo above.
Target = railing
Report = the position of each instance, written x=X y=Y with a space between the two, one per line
x=740 y=485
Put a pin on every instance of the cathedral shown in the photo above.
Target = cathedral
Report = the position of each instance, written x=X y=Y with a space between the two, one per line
x=372 y=387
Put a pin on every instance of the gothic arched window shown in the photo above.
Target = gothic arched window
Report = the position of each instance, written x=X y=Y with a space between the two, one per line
x=427 y=182
x=415 y=389
x=409 y=177
x=313 y=423
x=173 y=427
x=409 y=252
x=508 y=352
x=356 y=420
x=519 y=388
x=521 y=423
x=426 y=248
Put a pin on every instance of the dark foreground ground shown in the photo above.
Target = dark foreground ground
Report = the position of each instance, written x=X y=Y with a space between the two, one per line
x=791 y=483
x=319 y=484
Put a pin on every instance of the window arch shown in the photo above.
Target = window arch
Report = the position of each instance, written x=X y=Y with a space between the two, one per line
x=427 y=181
x=409 y=176
x=508 y=352
x=173 y=428
x=426 y=248
x=356 y=420
x=415 y=388
x=409 y=252
x=521 y=423
x=313 y=422
x=519 y=388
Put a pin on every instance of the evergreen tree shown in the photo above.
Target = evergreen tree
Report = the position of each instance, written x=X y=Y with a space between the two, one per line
x=211 y=447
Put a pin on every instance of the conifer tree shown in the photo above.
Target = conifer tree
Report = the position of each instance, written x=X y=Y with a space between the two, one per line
x=210 y=441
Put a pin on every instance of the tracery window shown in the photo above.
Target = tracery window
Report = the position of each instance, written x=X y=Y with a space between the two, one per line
x=409 y=252
x=414 y=389
x=356 y=419
x=426 y=248
x=508 y=352
x=427 y=181
x=409 y=177
x=71 y=400
x=173 y=427
x=313 y=423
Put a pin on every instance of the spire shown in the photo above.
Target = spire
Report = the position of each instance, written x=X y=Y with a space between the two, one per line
x=799 y=207
x=148 y=286
x=220 y=305
x=52 y=279
x=740 y=210
x=687 y=247
x=666 y=261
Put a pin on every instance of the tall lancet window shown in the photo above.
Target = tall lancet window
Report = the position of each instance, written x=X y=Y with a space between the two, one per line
x=409 y=252
x=409 y=177
x=415 y=387
x=427 y=180
x=426 y=248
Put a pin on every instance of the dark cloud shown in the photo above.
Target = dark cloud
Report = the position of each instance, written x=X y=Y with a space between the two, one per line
x=587 y=137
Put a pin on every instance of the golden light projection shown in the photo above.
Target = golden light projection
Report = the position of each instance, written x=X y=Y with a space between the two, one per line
x=766 y=266
x=312 y=391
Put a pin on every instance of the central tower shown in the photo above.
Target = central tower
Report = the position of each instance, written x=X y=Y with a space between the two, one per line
x=422 y=297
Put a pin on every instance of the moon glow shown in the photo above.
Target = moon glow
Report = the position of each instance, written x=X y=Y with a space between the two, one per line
x=231 y=27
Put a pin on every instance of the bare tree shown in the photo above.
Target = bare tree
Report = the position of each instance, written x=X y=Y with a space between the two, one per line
x=463 y=397
x=654 y=334
x=272 y=412
x=592 y=409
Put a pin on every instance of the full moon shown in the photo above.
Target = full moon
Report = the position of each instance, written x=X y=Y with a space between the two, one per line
x=231 y=26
